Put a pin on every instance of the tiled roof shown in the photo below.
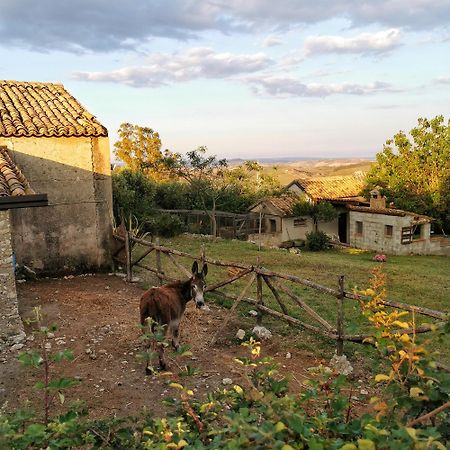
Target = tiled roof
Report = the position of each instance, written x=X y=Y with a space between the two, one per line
x=390 y=212
x=330 y=188
x=283 y=204
x=43 y=109
x=12 y=180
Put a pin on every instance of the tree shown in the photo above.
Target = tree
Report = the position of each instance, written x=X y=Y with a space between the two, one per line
x=139 y=148
x=205 y=175
x=414 y=171
x=319 y=212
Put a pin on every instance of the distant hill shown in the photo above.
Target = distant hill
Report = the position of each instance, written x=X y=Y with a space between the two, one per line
x=290 y=168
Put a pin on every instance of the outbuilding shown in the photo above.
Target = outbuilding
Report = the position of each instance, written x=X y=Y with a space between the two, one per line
x=64 y=150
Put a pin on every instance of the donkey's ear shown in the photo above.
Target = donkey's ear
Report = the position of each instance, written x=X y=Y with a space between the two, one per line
x=195 y=268
x=205 y=270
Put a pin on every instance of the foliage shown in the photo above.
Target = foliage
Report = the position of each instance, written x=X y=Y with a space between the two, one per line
x=319 y=212
x=133 y=195
x=414 y=171
x=317 y=241
x=139 y=148
x=165 y=225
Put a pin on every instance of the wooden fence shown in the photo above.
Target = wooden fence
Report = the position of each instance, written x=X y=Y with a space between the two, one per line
x=276 y=283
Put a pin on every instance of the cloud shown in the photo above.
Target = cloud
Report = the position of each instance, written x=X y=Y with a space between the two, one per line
x=160 y=69
x=271 y=41
x=284 y=86
x=104 y=25
x=443 y=79
x=364 y=43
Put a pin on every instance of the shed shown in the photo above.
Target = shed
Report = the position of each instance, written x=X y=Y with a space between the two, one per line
x=64 y=150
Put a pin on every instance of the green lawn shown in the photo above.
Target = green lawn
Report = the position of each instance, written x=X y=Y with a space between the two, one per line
x=418 y=280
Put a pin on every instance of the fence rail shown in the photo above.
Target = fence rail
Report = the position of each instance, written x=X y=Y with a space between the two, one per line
x=274 y=281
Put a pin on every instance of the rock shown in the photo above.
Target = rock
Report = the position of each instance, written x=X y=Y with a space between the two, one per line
x=205 y=308
x=288 y=355
x=262 y=332
x=19 y=338
x=227 y=381
x=240 y=334
x=48 y=346
x=16 y=347
x=253 y=313
x=364 y=391
x=102 y=351
x=88 y=351
x=341 y=365
x=50 y=335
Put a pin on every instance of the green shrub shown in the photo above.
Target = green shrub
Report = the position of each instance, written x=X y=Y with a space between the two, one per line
x=165 y=225
x=317 y=241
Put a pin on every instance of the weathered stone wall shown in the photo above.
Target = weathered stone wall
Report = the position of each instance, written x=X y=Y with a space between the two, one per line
x=374 y=235
x=74 y=232
x=11 y=328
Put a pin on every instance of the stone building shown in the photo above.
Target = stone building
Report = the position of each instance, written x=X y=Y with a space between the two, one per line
x=64 y=152
x=15 y=193
x=360 y=223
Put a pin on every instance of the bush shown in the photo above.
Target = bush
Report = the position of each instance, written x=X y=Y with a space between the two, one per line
x=165 y=225
x=317 y=241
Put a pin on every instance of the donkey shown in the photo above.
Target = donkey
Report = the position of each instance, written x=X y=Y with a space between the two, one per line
x=166 y=305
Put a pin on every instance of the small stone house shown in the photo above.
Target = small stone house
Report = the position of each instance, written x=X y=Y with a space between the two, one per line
x=360 y=223
x=64 y=151
x=281 y=226
x=15 y=193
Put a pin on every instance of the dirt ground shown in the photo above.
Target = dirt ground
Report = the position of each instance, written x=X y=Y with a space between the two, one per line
x=97 y=317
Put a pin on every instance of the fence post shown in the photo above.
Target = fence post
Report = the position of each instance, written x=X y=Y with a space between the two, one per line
x=259 y=293
x=129 y=277
x=158 y=263
x=340 y=317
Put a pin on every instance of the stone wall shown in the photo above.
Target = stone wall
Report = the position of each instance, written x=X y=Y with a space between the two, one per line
x=11 y=328
x=74 y=232
x=374 y=235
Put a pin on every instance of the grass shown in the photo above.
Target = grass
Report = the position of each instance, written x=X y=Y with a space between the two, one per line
x=417 y=280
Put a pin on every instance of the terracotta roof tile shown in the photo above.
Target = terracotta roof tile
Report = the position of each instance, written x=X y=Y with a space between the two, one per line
x=43 y=109
x=330 y=188
x=390 y=212
x=284 y=204
x=12 y=180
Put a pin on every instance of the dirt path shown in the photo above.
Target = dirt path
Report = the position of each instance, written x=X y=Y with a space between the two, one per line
x=97 y=317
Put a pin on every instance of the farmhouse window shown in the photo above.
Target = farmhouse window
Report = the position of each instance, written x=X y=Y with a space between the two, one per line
x=388 y=230
x=299 y=222
x=359 y=228
x=407 y=235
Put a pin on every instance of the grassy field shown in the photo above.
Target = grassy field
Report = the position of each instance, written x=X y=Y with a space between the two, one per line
x=418 y=280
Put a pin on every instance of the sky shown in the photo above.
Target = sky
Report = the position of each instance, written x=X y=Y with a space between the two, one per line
x=246 y=78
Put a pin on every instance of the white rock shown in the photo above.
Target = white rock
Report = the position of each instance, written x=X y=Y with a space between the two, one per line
x=16 y=347
x=48 y=346
x=240 y=334
x=227 y=381
x=262 y=332
x=341 y=364
x=205 y=308
x=364 y=391
x=50 y=335
x=253 y=313
x=288 y=355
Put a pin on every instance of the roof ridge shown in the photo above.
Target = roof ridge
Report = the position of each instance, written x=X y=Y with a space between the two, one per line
x=43 y=83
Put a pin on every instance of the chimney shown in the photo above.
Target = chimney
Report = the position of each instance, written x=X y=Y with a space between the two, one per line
x=377 y=200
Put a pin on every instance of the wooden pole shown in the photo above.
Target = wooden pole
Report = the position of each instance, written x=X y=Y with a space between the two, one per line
x=340 y=317
x=259 y=298
x=129 y=277
x=235 y=304
x=159 y=269
x=277 y=297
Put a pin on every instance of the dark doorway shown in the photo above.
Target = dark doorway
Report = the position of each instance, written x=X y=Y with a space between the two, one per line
x=342 y=227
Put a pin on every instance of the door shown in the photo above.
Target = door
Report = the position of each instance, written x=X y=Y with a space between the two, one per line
x=342 y=227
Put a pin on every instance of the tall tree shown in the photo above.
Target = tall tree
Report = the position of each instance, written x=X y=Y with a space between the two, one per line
x=205 y=175
x=414 y=171
x=139 y=148
x=319 y=212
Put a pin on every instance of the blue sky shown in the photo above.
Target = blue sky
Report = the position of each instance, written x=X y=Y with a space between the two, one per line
x=323 y=78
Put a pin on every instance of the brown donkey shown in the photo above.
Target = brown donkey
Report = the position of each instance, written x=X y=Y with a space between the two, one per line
x=166 y=305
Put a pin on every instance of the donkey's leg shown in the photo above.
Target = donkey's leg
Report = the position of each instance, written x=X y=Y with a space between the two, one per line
x=151 y=346
x=175 y=330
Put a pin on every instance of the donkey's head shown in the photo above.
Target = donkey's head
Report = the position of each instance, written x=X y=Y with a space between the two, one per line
x=198 y=284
